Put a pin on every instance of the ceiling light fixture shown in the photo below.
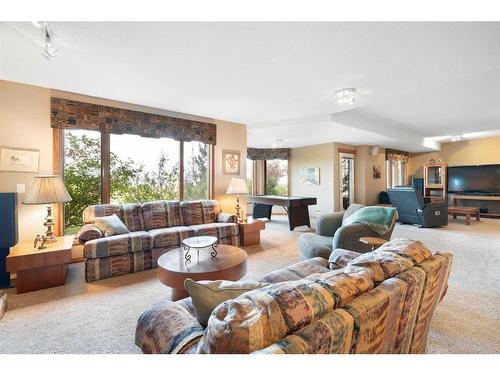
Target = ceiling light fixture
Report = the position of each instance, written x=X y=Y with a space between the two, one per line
x=456 y=138
x=277 y=143
x=346 y=95
x=50 y=50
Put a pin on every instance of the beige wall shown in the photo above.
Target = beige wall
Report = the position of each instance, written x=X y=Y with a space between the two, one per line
x=368 y=188
x=320 y=156
x=479 y=151
x=25 y=123
x=230 y=136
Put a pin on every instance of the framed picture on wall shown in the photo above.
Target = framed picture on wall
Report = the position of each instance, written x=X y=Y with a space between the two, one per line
x=309 y=176
x=19 y=160
x=376 y=171
x=231 y=160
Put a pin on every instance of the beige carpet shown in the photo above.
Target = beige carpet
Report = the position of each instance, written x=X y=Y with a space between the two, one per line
x=100 y=317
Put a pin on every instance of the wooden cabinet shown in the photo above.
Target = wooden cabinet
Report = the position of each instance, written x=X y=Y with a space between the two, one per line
x=435 y=180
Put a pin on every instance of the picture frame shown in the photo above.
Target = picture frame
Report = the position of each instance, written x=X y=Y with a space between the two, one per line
x=309 y=176
x=377 y=172
x=231 y=162
x=19 y=160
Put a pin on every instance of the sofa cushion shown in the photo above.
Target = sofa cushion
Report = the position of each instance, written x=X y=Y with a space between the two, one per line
x=110 y=225
x=162 y=214
x=121 y=244
x=129 y=214
x=173 y=236
x=207 y=295
x=297 y=271
x=219 y=230
x=263 y=316
x=199 y=212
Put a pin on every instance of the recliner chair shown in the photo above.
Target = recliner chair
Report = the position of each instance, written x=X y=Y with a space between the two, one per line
x=412 y=208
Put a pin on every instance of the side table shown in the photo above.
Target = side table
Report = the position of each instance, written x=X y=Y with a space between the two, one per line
x=250 y=232
x=40 y=269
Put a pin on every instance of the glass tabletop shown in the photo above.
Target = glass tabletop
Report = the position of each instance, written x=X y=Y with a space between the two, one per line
x=200 y=241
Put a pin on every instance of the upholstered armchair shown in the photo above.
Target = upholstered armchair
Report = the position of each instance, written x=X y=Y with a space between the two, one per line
x=331 y=233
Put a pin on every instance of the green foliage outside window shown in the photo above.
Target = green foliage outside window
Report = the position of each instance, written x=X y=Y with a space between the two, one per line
x=276 y=171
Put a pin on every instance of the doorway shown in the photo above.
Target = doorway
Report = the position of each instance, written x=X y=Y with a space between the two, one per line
x=346 y=179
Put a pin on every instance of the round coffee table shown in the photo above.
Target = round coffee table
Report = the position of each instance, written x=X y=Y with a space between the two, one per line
x=229 y=264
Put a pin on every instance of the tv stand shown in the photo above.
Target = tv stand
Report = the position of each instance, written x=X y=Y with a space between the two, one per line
x=458 y=197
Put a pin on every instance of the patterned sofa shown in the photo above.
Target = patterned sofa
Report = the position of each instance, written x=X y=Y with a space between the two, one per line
x=377 y=302
x=155 y=227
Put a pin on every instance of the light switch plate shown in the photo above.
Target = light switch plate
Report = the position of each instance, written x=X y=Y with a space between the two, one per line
x=21 y=188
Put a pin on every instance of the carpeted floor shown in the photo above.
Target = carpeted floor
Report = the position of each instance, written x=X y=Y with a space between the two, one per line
x=100 y=317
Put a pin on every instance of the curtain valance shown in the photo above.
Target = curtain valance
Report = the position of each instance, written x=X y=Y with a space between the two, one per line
x=268 y=153
x=71 y=114
x=395 y=155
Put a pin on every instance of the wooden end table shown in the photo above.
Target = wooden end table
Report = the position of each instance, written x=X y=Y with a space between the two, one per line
x=229 y=264
x=467 y=211
x=374 y=242
x=40 y=269
x=250 y=232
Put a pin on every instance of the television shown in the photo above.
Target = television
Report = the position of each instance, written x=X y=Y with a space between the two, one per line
x=474 y=179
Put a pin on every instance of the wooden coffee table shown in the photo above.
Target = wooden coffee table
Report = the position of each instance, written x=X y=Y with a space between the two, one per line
x=229 y=264
x=40 y=269
x=467 y=211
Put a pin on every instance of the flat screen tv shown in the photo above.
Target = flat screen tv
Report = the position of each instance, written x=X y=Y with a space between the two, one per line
x=474 y=179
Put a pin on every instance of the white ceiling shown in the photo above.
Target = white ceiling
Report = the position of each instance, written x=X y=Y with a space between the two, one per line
x=418 y=80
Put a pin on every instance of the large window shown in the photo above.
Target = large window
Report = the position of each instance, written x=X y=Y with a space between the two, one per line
x=276 y=177
x=113 y=168
x=396 y=173
x=196 y=170
x=250 y=176
x=82 y=174
x=143 y=169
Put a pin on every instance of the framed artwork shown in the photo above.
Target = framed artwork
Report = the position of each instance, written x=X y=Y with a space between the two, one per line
x=309 y=176
x=376 y=171
x=19 y=160
x=231 y=162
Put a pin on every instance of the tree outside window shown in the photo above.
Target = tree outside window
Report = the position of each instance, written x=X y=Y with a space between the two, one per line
x=277 y=177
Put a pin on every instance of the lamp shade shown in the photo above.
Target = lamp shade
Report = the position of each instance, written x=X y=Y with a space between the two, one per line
x=47 y=190
x=237 y=186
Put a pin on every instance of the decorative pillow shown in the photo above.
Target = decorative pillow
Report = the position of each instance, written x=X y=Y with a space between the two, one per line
x=110 y=225
x=207 y=295
x=88 y=232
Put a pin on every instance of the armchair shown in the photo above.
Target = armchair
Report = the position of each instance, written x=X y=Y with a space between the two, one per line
x=413 y=209
x=332 y=234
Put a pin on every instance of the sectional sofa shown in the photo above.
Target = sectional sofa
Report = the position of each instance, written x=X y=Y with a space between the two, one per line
x=377 y=302
x=155 y=228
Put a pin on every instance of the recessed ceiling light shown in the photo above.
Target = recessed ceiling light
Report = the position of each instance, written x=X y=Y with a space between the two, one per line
x=346 y=95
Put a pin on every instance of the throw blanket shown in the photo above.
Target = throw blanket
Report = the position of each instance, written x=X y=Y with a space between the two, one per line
x=380 y=219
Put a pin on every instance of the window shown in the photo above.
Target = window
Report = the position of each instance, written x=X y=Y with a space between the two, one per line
x=196 y=169
x=250 y=176
x=396 y=173
x=277 y=177
x=82 y=174
x=140 y=169
x=143 y=169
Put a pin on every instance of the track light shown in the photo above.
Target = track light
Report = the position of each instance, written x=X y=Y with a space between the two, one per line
x=50 y=50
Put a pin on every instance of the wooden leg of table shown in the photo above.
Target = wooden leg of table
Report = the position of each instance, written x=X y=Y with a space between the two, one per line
x=41 y=278
x=477 y=215
x=467 y=218
x=454 y=216
x=178 y=294
x=298 y=216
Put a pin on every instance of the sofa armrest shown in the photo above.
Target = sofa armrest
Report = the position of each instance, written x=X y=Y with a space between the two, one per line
x=224 y=217
x=167 y=328
x=88 y=232
x=340 y=257
x=327 y=225
x=347 y=237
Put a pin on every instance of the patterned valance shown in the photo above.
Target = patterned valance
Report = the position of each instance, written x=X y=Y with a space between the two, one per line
x=71 y=114
x=268 y=153
x=395 y=155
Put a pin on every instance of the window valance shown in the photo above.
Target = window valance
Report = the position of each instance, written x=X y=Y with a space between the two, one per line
x=395 y=155
x=71 y=114
x=268 y=153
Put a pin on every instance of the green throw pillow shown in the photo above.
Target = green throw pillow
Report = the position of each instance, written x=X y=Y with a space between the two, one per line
x=110 y=225
x=207 y=295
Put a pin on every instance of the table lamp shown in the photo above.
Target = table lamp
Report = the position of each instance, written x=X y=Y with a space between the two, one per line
x=237 y=186
x=47 y=190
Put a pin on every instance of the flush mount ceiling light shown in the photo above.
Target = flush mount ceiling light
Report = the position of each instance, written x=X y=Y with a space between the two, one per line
x=277 y=143
x=50 y=50
x=346 y=95
x=457 y=137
